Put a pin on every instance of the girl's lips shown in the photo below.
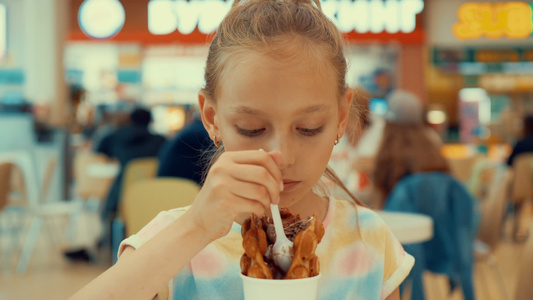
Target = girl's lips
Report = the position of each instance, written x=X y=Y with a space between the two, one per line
x=289 y=185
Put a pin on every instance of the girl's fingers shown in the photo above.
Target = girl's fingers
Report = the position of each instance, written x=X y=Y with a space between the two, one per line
x=252 y=192
x=248 y=206
x=276 y=156
x=260 y=158
x=261 y=182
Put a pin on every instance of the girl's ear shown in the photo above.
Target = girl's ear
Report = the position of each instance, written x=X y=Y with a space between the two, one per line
x=344 y=110
x=208 y=112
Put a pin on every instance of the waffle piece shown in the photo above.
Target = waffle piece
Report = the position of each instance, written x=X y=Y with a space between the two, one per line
x=305 y=263
x=255 y=245
x=257 y=260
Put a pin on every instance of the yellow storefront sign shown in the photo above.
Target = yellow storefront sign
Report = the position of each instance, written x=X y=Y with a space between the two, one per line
x=494 y=20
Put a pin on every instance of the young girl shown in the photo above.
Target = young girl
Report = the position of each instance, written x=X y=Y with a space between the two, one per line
x=275 y=80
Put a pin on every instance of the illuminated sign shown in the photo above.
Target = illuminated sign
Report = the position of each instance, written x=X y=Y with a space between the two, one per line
x=494 y=20
x=392 y=16
x=101 y=19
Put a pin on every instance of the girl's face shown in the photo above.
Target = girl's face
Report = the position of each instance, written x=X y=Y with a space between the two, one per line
x=288 y=105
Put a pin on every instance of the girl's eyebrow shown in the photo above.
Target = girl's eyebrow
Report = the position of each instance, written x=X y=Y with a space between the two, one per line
x=313 y=108
x=250 y=111
x=245 y=110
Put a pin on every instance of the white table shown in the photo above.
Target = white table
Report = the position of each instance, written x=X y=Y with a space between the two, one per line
x=408 y=228
x=102 y=170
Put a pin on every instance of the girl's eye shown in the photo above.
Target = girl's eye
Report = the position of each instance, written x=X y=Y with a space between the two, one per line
x=311 y=132
x=250 y=132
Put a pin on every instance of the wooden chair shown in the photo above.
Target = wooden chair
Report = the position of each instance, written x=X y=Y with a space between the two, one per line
x=462 y=168
x=5 y=176
x=522 y=193
x=139 y=169
x=493 y=210
x=11 y=214
x=90 y=188
x=524 y=288
x=522 y=187
x=482 y=177
x=144 y=200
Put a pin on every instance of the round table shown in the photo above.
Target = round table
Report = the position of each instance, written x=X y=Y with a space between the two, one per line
x=408 y=228
x=102 y=170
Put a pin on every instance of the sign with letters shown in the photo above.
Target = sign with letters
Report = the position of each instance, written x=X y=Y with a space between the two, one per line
x=362 y=16
x=195 y=21
x=513 y=20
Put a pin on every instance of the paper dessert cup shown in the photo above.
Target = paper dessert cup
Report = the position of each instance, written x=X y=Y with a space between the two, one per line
x=280 y=289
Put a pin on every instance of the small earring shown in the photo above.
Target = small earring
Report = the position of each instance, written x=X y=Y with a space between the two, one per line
x=217 y=143
x=336 y=140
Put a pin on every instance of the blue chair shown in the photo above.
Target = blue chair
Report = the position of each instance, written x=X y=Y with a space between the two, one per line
x=453 y=209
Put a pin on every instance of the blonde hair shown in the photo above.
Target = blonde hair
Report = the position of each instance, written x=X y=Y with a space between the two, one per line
x=261 y=25
x=277 y=27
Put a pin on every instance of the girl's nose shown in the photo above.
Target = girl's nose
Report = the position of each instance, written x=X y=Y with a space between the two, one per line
x=286 y=147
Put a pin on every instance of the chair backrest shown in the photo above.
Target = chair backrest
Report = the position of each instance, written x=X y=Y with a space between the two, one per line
x=522 y=187
x=145 y=199
x=462 y=168
x=88 y=186
x=139 y=169
x=5 y=180
x=493 y=208
x=47 y=179
x=482 y=177
x=17 y=192
x=524 y=288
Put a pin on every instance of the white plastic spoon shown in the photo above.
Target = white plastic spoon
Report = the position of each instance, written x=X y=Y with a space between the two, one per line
x=282 y=251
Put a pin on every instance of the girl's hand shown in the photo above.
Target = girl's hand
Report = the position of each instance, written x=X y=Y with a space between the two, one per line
x=238 y=184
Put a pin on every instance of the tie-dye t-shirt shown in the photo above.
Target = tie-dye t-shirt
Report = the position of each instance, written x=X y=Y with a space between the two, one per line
x=368 y=263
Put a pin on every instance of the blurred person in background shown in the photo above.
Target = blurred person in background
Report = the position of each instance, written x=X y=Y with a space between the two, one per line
x=76 y=97
x=109 y=120
x=126 y=144
x=521 y=207
x=104 y=125
x=525 y=145
x=408 y=146
x=186 y=155
x=411 y=175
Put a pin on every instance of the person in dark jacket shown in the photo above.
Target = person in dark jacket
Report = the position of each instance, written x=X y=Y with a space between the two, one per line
x=126 y=144
x=524 y=145
x=184 y=156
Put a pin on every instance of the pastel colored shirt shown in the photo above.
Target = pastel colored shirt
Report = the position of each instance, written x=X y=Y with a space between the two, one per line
x=359 y=258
